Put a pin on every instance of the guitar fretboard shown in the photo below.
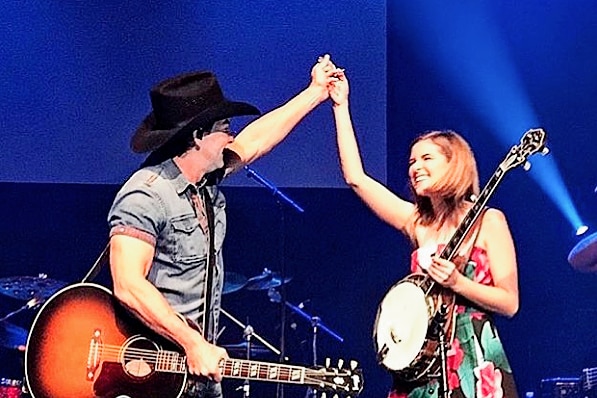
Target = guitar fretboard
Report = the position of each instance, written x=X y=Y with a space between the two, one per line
x=171 y=361
x=245 y=369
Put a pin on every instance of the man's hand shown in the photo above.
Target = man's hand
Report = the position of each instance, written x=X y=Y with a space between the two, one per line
x=323 y=74
x=204 y=359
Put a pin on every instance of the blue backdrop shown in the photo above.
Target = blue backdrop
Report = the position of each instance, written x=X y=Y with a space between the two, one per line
x=76 y=76
x=75 y=80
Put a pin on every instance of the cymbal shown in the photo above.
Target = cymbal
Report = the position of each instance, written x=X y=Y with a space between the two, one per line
x=266 y=280
x=28 y=287
x=240 y=349
x=583 y=256
x=12 y=336
x=233 y=282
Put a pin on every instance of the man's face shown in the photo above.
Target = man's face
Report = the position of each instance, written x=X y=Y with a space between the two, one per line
x=213 y=143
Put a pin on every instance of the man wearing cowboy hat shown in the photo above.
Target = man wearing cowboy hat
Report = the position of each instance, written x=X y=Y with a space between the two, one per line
x=168 y=222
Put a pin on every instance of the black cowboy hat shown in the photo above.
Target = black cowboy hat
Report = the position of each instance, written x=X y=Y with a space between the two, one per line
x=182 y=104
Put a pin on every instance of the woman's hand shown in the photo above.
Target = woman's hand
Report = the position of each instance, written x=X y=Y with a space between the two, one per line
x=339 y=88
x=443 y=272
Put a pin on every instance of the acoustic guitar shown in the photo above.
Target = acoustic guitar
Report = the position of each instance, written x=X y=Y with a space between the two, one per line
x=84 y=344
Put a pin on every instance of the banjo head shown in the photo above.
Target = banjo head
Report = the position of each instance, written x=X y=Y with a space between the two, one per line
x=401 y=325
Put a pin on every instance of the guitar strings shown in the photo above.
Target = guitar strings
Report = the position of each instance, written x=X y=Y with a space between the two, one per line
x=313 y=377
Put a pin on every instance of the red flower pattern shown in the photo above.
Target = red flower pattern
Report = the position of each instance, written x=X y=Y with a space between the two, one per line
x=489 y=381
x=396 y=394
x=481 y=272
x=455 y=356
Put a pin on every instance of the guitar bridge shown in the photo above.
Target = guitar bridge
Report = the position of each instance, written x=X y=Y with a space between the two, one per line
x=93 y=358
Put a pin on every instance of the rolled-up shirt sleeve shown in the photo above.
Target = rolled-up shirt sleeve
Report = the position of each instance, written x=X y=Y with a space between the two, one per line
x=137 y=212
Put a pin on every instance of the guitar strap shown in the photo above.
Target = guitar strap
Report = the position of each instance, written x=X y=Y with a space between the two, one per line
x=97 y=265
x=211 y=266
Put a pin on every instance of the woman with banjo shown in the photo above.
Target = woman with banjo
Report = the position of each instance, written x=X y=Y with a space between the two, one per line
x=443 y=178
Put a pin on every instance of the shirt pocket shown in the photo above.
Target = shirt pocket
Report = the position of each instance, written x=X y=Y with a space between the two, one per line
x=189 y=244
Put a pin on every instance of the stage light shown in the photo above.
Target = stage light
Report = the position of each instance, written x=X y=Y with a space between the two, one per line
x=581 y=230
x=472 y=58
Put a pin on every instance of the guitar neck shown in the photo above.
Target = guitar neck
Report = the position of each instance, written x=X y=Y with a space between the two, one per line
x=251 y=370
x=172 y=361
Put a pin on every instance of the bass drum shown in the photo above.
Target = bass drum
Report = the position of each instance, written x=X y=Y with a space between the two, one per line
x=404 y=343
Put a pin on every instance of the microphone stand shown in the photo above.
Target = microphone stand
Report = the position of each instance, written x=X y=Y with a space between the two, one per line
x=252 y=173
x=280 y=199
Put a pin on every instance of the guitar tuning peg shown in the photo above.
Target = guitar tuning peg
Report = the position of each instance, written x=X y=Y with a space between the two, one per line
x=527 y=166
x=323 y=395
x=327 y=362
x=545 y=151
x=340 y=363
x=336 y=396
x=353 y=364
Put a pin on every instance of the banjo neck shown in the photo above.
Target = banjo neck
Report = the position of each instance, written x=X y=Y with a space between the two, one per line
x=533 y=141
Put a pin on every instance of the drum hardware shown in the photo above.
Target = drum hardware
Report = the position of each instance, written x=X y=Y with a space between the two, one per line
x=243 y=348
x=281 y=200
x=30 y=287
x=250 y=348
x=561 y=387
x=316 y=325
x=34 y=289
x=267 y=280
x=583 y=256
x=12 y=336
x=10 y=388
x=233 y=282
x=589 y=381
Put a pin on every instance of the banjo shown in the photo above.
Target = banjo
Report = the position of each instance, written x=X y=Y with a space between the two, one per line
x=405 y=330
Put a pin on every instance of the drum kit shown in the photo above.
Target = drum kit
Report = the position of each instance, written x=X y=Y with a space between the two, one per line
x=583 y=256
x=268 y=281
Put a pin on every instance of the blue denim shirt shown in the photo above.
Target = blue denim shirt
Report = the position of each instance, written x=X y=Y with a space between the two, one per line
x=155 y=205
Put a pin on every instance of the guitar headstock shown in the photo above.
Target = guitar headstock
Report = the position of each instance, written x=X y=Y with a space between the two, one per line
x=532 y=141
x=337 y=382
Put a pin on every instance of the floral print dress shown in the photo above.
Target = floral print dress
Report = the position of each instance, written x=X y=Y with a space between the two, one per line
x=477 y=363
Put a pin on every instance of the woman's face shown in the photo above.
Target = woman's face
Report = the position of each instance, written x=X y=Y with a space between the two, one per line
x=427 y=166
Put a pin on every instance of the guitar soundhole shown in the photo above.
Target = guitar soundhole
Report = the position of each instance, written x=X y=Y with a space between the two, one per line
x=138 y=357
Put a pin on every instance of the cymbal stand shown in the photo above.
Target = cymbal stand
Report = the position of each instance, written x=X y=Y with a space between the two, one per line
x=34 y=302
x=253 y=334
x=281 y=199
x=316 y=325
x=248 y=334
